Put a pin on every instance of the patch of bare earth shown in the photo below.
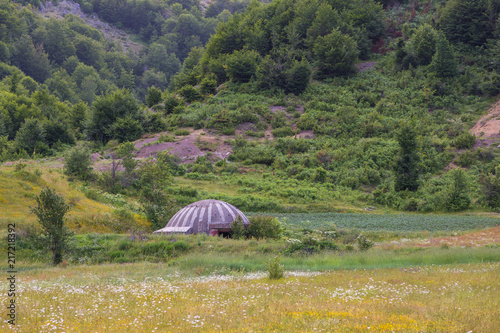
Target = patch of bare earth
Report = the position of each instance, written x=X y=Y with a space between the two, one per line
x=487 y=132
x=473 y=239
x=187 y=148
x=487 y=129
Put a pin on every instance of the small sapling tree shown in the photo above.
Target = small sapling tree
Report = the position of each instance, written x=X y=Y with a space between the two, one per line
x=275 y=270
x=50 y=210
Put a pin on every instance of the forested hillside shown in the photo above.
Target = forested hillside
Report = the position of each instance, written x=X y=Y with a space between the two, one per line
x=319 y=104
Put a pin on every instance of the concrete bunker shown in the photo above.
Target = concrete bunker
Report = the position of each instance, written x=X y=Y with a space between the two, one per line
x=212 y=217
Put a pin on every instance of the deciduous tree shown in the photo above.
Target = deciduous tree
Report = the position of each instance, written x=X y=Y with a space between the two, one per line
x=50 y=210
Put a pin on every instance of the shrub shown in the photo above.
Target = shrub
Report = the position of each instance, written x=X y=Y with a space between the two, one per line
x=490 y=185
x=336 y=54
x=153 y=96
x=275 y=269
x=282 y=132
x=241 y=65
x=458 y=197
x=78 y=163
x=189 y=93
x=237 y=229
x=364 y=243
x=262 y=226
x=465 y=141
x=180 y=132
x=126 y=129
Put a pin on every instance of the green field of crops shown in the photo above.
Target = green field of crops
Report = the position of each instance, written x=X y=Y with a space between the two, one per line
x=387 y=222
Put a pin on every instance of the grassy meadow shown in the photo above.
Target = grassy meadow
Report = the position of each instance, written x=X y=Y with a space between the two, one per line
x=148 y=297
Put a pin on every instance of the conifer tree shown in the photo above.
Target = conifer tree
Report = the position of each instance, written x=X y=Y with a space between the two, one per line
x=458 y=197
x=443 y=62
x=407 y=166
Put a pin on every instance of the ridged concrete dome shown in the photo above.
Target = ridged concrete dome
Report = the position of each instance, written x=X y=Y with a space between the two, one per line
x=205 y=216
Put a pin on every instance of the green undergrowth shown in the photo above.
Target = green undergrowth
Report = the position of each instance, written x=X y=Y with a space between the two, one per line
x=205 y=264
x=301 y=249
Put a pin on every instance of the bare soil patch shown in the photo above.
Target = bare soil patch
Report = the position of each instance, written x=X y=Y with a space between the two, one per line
x=187 y=148
x=488 y=127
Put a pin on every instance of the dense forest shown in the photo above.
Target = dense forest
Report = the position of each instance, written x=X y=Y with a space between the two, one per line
x=361 y=101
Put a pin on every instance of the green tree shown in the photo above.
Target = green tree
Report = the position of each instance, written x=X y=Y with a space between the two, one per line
x=88 y=51
x=56 y=39
x=159 y=59
x=469 y=21
x=458 y=197
x=335 y=54
x=56 y=130
x=241 y=65
x=31 y=137
x=78 y=163
x=298 y=77
x=153 y=97
x=490 y=185
x=154 y=176
x=126 y=129
x=50 y=210
x=407 y=165
x=31 y=59
x=107 y=110
x=424 y=43
x=443 y=62
x=77 y=116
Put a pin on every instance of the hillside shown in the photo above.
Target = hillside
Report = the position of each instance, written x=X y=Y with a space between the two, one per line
x=288 y=106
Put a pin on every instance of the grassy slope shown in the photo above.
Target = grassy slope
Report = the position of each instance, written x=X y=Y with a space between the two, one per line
x=18 y=190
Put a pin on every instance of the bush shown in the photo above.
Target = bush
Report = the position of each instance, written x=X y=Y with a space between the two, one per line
x=237 y=229
x=490 y=185
x=189 y=93
x=153 y=96
x=336 y=54
x=126 y=129
x=465 y=141
x=458 y=197
x=78 y=163
x=241 y=65
x=364 y=243
x=262 y=226
x=282 y=132
x=275 y=269
x=180 y=132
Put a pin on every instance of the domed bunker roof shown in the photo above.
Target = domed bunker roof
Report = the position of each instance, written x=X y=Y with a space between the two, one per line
x=205 y=216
